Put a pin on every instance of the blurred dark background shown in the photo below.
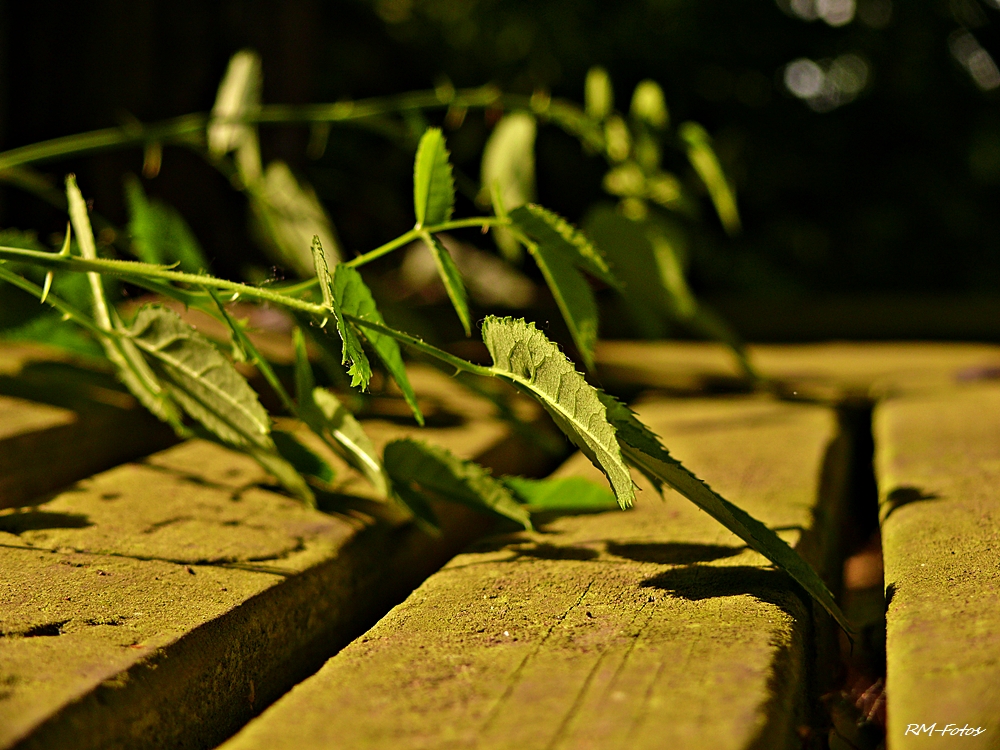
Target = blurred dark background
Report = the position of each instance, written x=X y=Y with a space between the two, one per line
x=863 y=137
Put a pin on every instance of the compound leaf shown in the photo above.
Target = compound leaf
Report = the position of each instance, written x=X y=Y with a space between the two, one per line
x=522 y=355
x=132 y=369
x=433 y=184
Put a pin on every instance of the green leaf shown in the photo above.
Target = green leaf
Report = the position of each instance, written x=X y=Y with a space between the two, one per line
x=242 y=344
x=433 y=185
x=705 y=162
x=322 y=268
x=598 y=96
x=290 y=215
x=522 y=355
x=302 y=458
x=210 y=389
x=559 y=249
x=345 y=295
x=351 y=442
x=548 y=228
x=508 y=169
x=435 y=471
x=649 y=104
x=327 y=417
x=642 y=448
x=567 y=495
x=452 y=279
x=655 y=287
x=131 y=368
x=356 y=299
x=239 y=94
x=159 y=234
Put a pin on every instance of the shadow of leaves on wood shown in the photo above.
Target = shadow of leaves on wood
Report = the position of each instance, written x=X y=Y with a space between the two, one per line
x=672 y=553
x=698 y=582
x=37 y=520
x=905 y=496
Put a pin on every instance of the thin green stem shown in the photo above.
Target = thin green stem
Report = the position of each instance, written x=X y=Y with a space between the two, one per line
x=422 y=346
x=414 y=234
x=138 y=272
x=182 y=129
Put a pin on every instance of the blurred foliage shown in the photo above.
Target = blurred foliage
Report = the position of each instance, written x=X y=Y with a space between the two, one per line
x=884 y=178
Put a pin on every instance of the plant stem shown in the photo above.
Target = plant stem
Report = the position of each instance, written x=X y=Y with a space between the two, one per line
x=413 y=234
x=193 y=125
x=131 y=270
x=422 y=346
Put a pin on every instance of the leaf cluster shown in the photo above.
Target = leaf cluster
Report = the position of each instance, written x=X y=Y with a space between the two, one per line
x=192 y=383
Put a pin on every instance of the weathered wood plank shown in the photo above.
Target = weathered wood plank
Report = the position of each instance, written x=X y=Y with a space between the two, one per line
x=651 y=628
x=938 y=468
x=830 y=371
x=56 y=428
x=163 y=603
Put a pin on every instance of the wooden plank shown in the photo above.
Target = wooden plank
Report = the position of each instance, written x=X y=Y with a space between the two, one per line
x=938 y=468
x=163 y=603
x=650 y=628
x=60 y=422
x=830 y=372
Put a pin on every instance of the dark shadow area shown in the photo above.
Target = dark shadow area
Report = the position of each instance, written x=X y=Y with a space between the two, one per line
x=47 y=629
x=67 y=385
x=672 y=553
x=698 y=582
x=521 y=548
x=905 y=496
x=850 y=705
x=890 y=593
x=36 y=520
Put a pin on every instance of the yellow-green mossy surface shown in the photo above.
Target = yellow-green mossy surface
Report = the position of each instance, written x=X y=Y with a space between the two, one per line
x=938 y=467
x=163 y=602
x=652 y=628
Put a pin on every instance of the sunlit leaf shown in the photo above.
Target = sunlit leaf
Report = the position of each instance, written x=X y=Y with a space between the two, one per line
x=598 y=96
x=159 y=234
x=345 y=298
x=131 y=368
x=547 y=227
x=210 y=390
x=354 y=298
x=452 y=279
x=560 y=249
x=522 y=355
x=649 y=104
x=433 y=185
x=327 y=417
x=705 y=162
x=565 y=495
x=508 y=167
x=436 y=472
x=238 y=95
x=642 y=448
